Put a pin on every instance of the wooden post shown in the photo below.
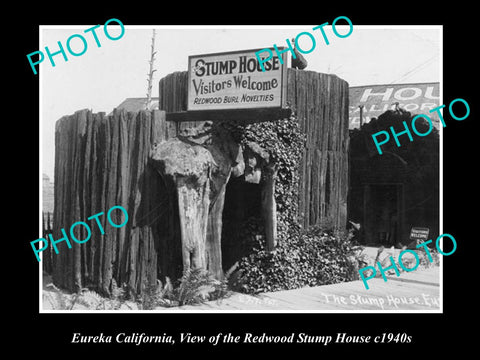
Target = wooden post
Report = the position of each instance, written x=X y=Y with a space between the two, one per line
x=269 y=208
x=361 y=115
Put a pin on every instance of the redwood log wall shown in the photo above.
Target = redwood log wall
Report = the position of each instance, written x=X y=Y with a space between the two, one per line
x=100 y=162
x=321 y=104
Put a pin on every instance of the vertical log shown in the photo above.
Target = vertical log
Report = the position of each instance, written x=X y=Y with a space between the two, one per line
x=135 y=145
x=148 y=202
x=269 y=209
x=62 y=273
x=98 y=176
x=111 y=148
x=76 y=194
x=122 y=192
x=86 y=196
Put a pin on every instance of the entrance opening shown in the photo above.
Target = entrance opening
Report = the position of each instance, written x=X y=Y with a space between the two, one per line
x=242 y=220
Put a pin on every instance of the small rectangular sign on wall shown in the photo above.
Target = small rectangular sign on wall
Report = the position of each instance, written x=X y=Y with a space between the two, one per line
x=419 y=233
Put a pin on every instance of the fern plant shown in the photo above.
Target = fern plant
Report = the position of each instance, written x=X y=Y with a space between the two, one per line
x=197 y=286
x=118 y=296
x=91 y=300
x=194 y=287
x=157 y=295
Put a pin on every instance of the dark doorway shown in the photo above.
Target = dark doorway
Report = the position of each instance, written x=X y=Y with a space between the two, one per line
x=242 y=220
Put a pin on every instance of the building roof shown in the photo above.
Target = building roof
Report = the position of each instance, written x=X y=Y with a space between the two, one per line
x=136 y=104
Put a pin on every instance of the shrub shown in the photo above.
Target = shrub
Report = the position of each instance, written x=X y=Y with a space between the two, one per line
x=284 y=141
x=305 y=258
x=154 y=295
x=316 y=256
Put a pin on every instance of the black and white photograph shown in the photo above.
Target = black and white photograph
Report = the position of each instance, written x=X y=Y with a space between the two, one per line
x=242 y=188
x=217 y=186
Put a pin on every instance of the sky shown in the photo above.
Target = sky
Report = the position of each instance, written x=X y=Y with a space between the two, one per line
x=102 y=77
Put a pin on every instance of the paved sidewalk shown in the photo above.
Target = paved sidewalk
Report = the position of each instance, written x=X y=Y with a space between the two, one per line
x=418 y=290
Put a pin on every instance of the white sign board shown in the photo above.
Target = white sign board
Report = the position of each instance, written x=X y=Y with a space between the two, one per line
x=235 y=80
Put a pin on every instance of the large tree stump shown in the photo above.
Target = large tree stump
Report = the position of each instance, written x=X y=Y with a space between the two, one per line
x=200 y=174
x=189 y=166
x=200 y=162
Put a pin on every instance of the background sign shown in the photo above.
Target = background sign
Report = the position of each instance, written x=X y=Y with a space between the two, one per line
x=235 y=80
x=418 y=233
x=417 y=98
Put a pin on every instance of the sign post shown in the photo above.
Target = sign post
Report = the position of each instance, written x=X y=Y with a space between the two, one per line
x=419 y=233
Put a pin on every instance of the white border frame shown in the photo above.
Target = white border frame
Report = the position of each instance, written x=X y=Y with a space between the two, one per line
x=179 y=311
